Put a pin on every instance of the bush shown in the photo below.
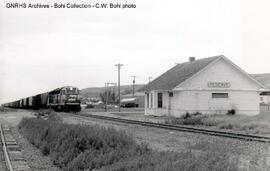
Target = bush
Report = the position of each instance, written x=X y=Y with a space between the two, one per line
x=195 y=120
x=231 y=112
x=172 y=161
x=43 y=113
x=227 y=126
x=80 y=147
x=68 y=145
x=186 y=116
x=187 y=119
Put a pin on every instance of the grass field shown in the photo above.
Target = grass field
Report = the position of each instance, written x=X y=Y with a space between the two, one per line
x=259 y=124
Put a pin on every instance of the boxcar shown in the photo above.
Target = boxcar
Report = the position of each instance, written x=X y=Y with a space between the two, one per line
x=61 y=99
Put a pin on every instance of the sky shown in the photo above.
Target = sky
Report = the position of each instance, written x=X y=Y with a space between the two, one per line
x=42 y=49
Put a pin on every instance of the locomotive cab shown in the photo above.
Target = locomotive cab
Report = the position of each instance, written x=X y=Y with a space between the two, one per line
x=65 y=99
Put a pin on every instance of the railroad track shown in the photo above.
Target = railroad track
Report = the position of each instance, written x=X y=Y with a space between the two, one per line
x=12 y=154
x=240 y=136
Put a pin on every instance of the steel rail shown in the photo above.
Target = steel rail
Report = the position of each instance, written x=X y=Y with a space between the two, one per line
x=247 y=137
x=7 y=160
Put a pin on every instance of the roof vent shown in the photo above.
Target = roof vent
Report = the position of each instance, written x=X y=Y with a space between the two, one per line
x=191 y=59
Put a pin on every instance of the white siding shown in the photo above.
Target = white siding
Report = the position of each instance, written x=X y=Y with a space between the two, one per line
x=195 y=96
x=155 y=110
x=192 y=101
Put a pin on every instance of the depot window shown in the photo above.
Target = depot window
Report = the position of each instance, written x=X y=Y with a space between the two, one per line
x=159 y=100
x=220 y=95
x=147 y=100
x=151 y=100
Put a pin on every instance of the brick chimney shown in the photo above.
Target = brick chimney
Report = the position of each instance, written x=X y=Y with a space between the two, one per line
x=191 y=59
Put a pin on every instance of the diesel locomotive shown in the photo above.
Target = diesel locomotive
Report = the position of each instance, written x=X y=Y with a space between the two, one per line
x=60 y=99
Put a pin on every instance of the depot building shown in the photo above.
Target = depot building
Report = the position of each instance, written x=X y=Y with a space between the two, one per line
x=213 y=85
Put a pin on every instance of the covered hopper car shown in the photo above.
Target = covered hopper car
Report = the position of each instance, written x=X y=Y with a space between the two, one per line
x=60 y=99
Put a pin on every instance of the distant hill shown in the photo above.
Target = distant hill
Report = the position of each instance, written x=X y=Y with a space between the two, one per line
x=262 y=78
x=93 y=92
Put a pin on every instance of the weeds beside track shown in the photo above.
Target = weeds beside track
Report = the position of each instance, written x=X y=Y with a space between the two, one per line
x=240 y=136
x=74 y=147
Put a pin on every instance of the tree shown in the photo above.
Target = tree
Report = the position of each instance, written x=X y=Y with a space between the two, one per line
x=127 y=91
x=111 y=96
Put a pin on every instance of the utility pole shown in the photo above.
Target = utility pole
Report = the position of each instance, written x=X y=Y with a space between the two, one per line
x=114 y=91
x=268 y=93
x=133 y=86
x=268 y=101
x=119 y=94
x=107 y=94
x=149 y=79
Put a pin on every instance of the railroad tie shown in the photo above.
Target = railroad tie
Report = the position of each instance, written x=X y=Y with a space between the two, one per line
x=15 y=155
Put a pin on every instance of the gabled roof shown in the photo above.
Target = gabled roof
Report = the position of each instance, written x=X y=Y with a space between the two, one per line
x=178 y=74
x=182 y=72
x=262 y=78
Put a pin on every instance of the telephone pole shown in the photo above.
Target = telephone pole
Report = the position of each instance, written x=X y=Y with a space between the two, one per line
x=133 y=86
x=119 y=94
x=107 y=93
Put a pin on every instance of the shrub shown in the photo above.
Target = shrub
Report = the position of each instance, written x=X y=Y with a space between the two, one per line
x=227 y=126
x=231 y=112
x=210 y=122
x=81 y=147
x=172 y=161
x=195 y=120
x=187 y=119
x=186 y=116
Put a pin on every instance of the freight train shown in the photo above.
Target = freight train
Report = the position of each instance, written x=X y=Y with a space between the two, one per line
x=60 y=99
